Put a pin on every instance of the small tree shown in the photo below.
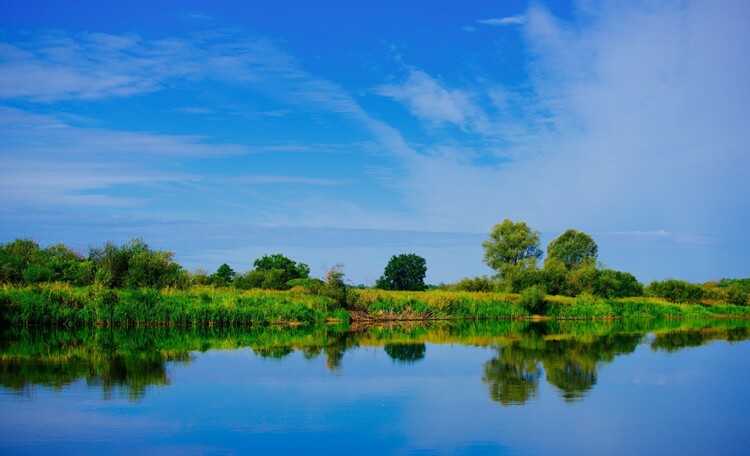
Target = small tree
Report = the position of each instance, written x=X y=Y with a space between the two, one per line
x=335 y=288
x=223 y=276
x=404 y=272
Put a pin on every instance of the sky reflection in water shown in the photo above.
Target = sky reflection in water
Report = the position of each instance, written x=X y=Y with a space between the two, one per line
x=477 y=388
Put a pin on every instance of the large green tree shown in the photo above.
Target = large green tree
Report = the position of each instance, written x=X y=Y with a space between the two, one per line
x=574 y=249
x=511 y=243
x=512 y=249
x=404 y=272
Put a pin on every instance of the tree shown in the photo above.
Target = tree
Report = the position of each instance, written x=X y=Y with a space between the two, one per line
x=617 y=284
x=15 y=257
x=335 y=288
x=511 y=243
x=404 y=272
x=513 y=251
x=223 y=276
x=574 y=249
x=292 y=270
x=134 y=265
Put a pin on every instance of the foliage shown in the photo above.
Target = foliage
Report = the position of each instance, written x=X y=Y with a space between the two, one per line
x=737 y=294
x=675 y=291
x=583 y=279
x=223 y=276
x=481 y=283
x=273 y=272
x=532 y=299
x=616 y=284
x=335 y=288
x=574 y=249
x=404 y=272
x=62 y=305
x=291 y=269
x=555 y=277
x=135 y=265
x=518 y=277
x=511 y=244
x=15 y=257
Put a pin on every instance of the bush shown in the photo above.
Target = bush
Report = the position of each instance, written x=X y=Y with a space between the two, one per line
x=736 y=294
x=482 y=283
x=616 y=284
x=532 y=299
x=335 y=288
x=675 y=291
x=37 y=273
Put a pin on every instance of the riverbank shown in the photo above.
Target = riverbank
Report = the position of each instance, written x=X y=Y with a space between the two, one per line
x=65 y=306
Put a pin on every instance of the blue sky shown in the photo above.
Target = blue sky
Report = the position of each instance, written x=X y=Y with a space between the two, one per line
x=347 y=132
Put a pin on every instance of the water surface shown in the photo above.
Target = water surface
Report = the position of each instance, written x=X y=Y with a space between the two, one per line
x=674 y=387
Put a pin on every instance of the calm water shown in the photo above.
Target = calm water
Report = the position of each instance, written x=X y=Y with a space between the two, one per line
x=675 y=387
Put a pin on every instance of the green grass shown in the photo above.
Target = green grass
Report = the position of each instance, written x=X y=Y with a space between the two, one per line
x=63 y=305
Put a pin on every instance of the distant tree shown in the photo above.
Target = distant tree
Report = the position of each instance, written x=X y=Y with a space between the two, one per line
x=250 y=279
x=404 y=272
x=135 y=265
x=292 y=270
x=200 y=277
x=737 y=294
x=616 y=284
x=675 y=291
x=574 y=249
x=335 y=288
x=223 y=276
x=482 y=283
x=512 y=249
x=15 y=257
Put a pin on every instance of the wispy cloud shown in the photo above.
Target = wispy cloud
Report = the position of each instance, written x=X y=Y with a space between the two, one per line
x=95 y=66
x=38 y=135
x=427 y=99
x=504 y=21
x=270 y=179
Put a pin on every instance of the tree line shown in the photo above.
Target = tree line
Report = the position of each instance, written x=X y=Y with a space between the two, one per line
x=513 y=250
x=570 y=268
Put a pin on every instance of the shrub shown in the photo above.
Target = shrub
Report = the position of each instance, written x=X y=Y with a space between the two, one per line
x=675 y=291
x=616 y=284
x=532 y=299
x=482 y=283
x=736 y=294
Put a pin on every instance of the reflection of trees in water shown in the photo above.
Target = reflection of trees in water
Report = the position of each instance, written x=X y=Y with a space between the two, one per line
x=569 y=364
x=105 y=358
x=405 y=353
x=129 y=361
x=512 y=377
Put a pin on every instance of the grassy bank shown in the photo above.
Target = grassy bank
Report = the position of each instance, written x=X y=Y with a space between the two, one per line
x=64 y=305
x=382 y=305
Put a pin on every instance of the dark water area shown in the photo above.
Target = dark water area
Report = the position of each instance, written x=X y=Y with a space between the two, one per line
x=646 y=387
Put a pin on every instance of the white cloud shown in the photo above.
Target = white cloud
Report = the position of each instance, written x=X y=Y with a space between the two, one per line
x=504 y=21
x=429 y=100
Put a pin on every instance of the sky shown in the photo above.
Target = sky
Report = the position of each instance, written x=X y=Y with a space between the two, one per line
x=339 y=132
